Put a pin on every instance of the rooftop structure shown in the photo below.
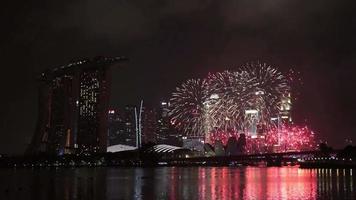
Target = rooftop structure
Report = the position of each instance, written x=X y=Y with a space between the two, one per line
x=73 y=104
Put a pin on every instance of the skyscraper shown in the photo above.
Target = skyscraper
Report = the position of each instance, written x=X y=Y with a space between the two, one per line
x=286 y=108
x=115 y=127
x=166 y=133
x=73 y=106
x=150 y=125
x=130 y=125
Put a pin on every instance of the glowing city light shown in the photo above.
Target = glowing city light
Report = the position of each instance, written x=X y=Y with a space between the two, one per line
x=229 y=100
x=254 y=100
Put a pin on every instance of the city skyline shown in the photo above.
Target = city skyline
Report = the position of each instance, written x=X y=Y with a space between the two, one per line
x=168 y=43
x=172 y=99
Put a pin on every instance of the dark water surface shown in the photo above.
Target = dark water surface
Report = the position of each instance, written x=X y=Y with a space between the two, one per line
x=177 y=183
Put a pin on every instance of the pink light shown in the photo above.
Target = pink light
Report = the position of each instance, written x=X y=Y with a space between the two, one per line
x=287 y=138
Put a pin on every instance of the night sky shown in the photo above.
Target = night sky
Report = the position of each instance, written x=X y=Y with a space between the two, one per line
x=169 y=41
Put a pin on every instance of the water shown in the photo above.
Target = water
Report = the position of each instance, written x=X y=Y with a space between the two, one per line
x=177 y=183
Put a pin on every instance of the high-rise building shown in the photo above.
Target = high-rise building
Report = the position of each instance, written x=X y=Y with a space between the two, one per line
x=286 y=108
x=130 y=126
x=116 y=134
x=149 y=125
x=163 y=122
x=73 y=106
x=166 y=133
x=124 y=125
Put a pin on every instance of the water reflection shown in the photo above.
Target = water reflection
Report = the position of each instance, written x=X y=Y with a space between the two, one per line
x=178 y=183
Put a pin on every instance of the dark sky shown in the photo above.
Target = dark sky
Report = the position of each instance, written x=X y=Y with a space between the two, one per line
x=169 y=41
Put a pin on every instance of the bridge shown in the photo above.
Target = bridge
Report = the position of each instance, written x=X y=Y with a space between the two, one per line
x=253 y=159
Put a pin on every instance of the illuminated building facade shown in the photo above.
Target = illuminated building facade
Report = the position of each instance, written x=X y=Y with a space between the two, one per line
x=73 y=106
x=122 y=126
x=116 y=122
x=255 y=117
x=128 y=129
x=285 y=109
x=252 y=119
x=163 y=122
x=208 y=123
x=166 y=133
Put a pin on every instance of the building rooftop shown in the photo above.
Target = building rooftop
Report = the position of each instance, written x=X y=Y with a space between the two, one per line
x=80 y=64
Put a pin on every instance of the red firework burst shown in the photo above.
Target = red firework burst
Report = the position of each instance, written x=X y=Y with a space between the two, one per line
x=285 y=139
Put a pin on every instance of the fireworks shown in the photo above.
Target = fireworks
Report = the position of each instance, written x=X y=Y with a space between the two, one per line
x=188 y=110
x=222 y=136
x=221 y=100
x=292 y=138
x=228 y=103
x=226 y=109
x=287 y=138
x=265 y=88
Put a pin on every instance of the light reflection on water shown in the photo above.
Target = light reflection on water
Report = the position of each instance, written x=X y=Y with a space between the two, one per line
x=177 y=183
